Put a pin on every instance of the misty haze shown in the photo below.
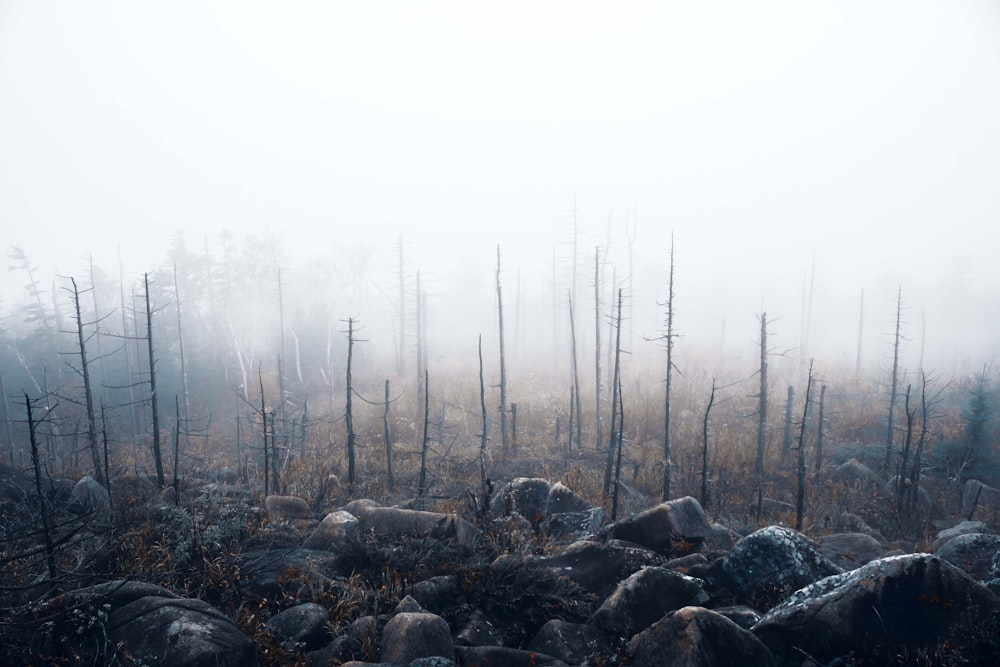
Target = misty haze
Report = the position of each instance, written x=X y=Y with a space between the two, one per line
x=548 y=334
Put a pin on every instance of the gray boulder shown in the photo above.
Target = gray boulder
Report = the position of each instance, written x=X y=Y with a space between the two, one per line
x=409 y=636
x=976 y=494
x=394 y=522
x=179 y=633
x=962 y=528
x=643 y=598
x=563 y=499
x=697 y=637
x=286 y=508
x=572 y=525
x=527 y=496
x=972 y=552
x=855 y=475
x=911 y=601
x=661 y=527
x=300 y=627
x=573 y=643
x=769 y=564
x=88 y=498
x=598 y=567
x=502 y=655
x=334 y=530
x=851 y=550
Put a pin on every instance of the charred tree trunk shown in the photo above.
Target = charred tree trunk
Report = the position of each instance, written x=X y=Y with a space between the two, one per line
x=575 y=389
x=387 y=430
x=87 y=389
x=483 y=438
x=800 y=504
x=50 y=553
x=670 y=368
x=348 y=414
x=820 y=432
x=504 y=435
x=758 y=467
x=157 y=456
x=598 y=440
x=786 y=441
x=615 y=427
x=425 y=444
x=894 y=383
x=704 y=448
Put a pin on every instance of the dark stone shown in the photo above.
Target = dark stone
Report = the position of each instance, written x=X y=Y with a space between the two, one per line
x=741 y=615
x=527 y=496
x=697 y=637
x=768 y=565
x=598 y=567
x=573 y=643
x=408 y=636
x=963 y=528
x=489 y=656
x=179 y=633
x=302 y=626
x=972 y=552
x=660 y=528
x=910 y=601
x=563 y=499
x=286 y=508
x=851 y=550
x=643 y=598
x=476 y=630
x=437 y=594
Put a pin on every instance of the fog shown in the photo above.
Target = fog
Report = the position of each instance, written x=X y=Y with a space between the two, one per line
x=799 y=154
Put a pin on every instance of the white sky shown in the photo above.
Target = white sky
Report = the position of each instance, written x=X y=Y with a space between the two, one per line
x=866 y=133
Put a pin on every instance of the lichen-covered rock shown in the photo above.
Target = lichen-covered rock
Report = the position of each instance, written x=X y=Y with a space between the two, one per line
x=300 y=627
x=179 y=633
x=286 y=508
x=598 y=567
x=437 y=594
x=697 y=637
x=408 y=636
x=572 y=525
x=573 y=643
x=961 y=528
x=972 y=552
x=88 y=498
x=644 y=597
x=851 y=550
x=911 y=601
x=769 y=564
x=661 y=527
x=334 y=530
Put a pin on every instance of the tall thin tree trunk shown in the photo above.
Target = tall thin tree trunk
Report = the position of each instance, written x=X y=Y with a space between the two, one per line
x=388 y=439
x=820 y=429
x=263 y=419
x=401 y=360
x=425 y=442
x=157 y=457
x=180 y=343
x=704 y=448
x=7 y=420
x=482 y=404
x=894 y=382
x=614 y=398
x=667 y=463
x=598 y=440
x=87 y=389
x=786 y=441
x=800 y=504
x=758 y=467
x=348 y=415
x=575 y=390
x=618 y=461
x=504 y=435
x=50 y=554
x=904 y=464
x=420 y=349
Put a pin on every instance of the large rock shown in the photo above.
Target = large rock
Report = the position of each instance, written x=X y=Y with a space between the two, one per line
x=598 y=567
x=856 y=475
x=334 y=530
x=851 y=550
x=976 y=494
x=564 y=499
x=296 y=573
x=573 y=643
x=409 y=636
x=911 y=601
x=393 y=522
x=961 y=528
x=662 y=527
x=571 y=526
x=972 y=552
x=768 y=565
x=644 y=597
x=527 y=496
x=697 y=637
x=286 y=508
x=301 y=627
x=88 y=498
x=179 y=633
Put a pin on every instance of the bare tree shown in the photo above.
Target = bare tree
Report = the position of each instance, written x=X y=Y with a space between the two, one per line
x=50 y=554
x=597 y=347
x=893 y=382
x=820 y=429
x=575 y=405
x=153 y=399
x=426 y=441
x=615 y=426
x=667 y=462
x=348 y=413
x=704 y=448
x=786 y=441
x=388 y=439
x=482 y=404
x=504 y=436
x=88 y=392
x=801 y=498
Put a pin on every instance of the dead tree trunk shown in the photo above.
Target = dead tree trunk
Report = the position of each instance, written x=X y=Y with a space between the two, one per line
x=758 y=467
x=618 y=461
x=820 y=432
x=704 y=448
x=894 y=383
x=786 y=441
x=348 y=415
x=263 y=426
x=575 y=389
x=504 y=436
x=597 y=348
x=482 y=404
x=87 y=389
x=388 y=439
x=670 y=368
x=180 y=347
x=615 y=427
x=50 y=554
x=800 y=504
x=425 y=443
x=157 y=456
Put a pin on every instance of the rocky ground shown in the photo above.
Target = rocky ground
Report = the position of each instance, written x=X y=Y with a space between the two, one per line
x=523 y=573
